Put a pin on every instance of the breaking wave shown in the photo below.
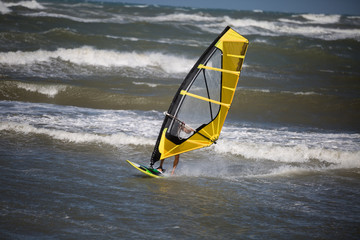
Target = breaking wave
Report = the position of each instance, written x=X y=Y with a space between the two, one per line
x=289 y=27
x=103 y=58
x=302 y=153
x=291 y=154
x=321 y=18
x=33 y=4
x=4 y=9
x=152 y=85
x=123 y=127
x=308 y=25
x=112 y=139
x=48 y=90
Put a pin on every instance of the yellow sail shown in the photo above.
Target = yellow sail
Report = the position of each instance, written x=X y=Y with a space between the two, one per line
x=199 y=109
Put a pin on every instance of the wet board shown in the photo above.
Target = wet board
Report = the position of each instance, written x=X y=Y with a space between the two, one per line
x=148 y=171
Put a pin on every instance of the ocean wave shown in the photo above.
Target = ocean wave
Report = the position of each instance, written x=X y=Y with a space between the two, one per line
x=137 y=6
x=331 y=158
x=288 y=171
x=291 y=154
x=152 y=85
x=249 y=26
x=312 y=19
x=327 y=159
x=259 y=90
x=279 y=28
x=335 y=150
x=48 y=90
x=84 y=96
x=59 y=15
x=181 y=17
x=104 y=58
x=126 y=18
x=184 y=42
x=121 y=127
x=4 y=9
x=308 y=25
x=33 y=4
x=116 y=140
x=81 y=120
x=86 y=4
x=301 y=93
x=321 y=18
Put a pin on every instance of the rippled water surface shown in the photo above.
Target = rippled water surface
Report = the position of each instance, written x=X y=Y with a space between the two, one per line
x=83 y=86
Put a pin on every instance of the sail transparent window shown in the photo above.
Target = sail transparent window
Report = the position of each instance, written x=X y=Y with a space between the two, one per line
x=195 y=112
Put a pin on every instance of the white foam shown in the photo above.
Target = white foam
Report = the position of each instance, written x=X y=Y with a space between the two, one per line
x=254 y=90
x=257 y=40
x=187 y=42
x=313 y=19
x=354 y=17
x=33 y=4
x=119 y=127
x=285 y=20
x=48 y=90
x=286 y=171
x=321 y=18
x=180 y=17
x=268 y=91
x=104 y=58
x=77 y=119
x=301 y=93
x=309 y=28
x=314 y=25
x=117 y=139
x=306 y=93
x=278 y=28
x=58 y=15
x=339 y=150
x=290 y=154
x=147 y=84
x=125 y=18
x=136 y=6
x=4 y=9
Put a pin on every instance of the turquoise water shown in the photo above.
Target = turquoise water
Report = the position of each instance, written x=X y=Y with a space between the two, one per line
x=83 y=86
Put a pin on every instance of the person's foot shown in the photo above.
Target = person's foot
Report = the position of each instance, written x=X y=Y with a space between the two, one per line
x=160 y=169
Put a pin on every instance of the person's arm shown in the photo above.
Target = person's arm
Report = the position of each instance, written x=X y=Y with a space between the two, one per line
x=176 y=161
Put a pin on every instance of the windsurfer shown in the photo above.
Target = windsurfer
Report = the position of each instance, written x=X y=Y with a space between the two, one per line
x=186 y=129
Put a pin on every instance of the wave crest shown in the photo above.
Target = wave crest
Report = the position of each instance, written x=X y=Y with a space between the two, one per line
x=116 y=140
x=4 y=9
x=291 y=154
x=48 y=90
x=33 y=4
x=104 y=58
x=321 y=18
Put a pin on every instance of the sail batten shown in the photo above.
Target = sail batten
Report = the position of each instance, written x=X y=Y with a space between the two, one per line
x=203 y=99
x=219 y=70
x=183 y=92
x=236 y=56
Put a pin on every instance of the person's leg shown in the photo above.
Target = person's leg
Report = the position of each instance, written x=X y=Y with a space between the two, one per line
x=176 y=162
x=161 y=165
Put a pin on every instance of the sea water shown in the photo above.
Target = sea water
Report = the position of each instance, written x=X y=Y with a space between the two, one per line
x=83 y=86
